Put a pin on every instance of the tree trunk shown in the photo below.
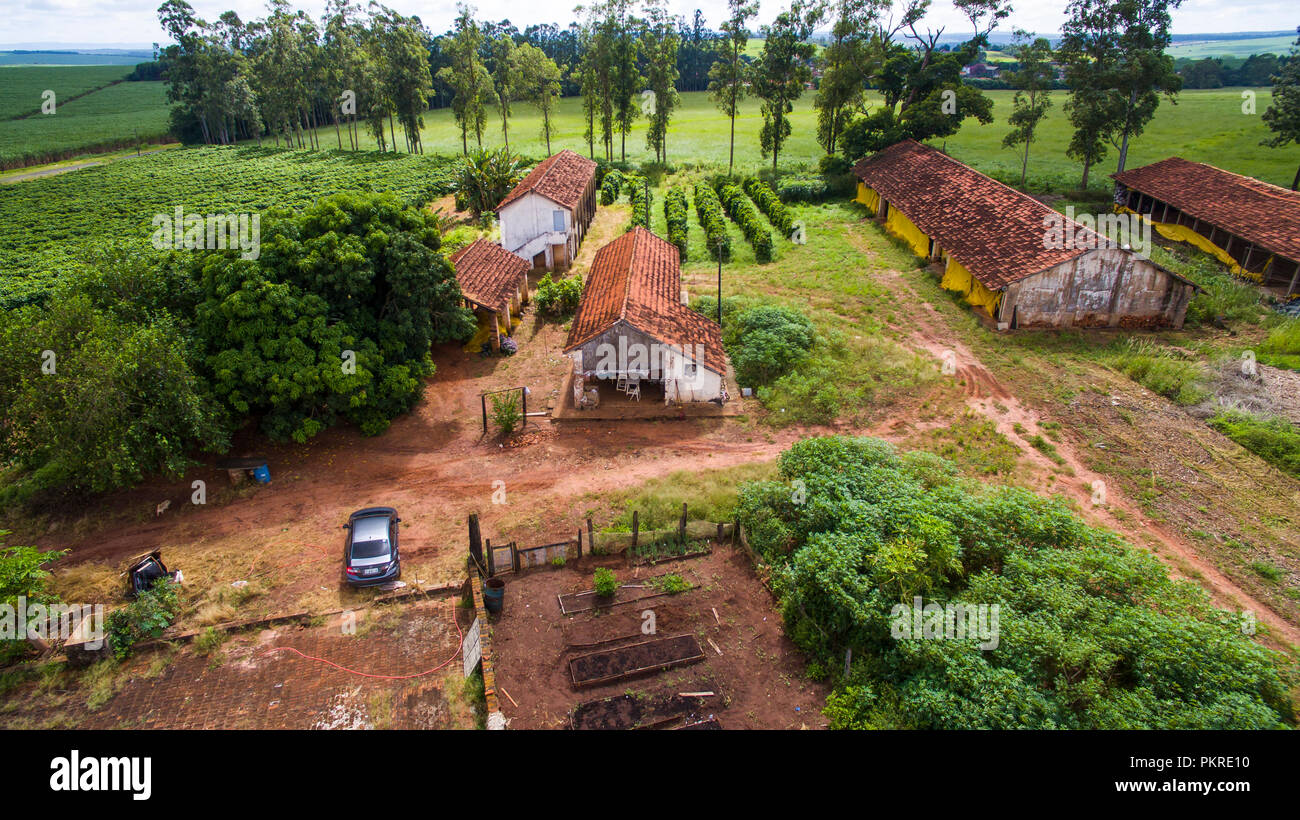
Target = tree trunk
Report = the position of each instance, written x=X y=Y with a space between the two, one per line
x=1295 y=183
x=1128 y=116
x=731 y=158
x=1024 y=165
x=1087 y=166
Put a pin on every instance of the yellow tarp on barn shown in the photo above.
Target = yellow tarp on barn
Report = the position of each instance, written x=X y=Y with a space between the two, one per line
x=1181 y=233
x=869 y=197
x=957 y=278
x=897 y=223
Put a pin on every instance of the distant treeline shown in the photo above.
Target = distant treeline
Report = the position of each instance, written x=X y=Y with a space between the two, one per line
x=1255 y=71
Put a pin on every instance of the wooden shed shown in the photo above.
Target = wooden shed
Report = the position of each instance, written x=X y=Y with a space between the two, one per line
x=1251 y=226
x=631 y=325
x=494 y=283
x=996 y=246
x=544 y=218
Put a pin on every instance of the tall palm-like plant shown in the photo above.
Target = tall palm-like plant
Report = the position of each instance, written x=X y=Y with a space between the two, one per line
x=485 y=177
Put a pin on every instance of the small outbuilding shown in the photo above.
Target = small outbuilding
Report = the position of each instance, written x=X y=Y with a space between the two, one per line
x=632 y=330
x=494 y=284
x=1250 y=226
x=544 y=218
x=1015 y=260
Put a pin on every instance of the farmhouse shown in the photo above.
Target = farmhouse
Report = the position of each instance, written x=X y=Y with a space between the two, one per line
x=631 y=327
x=545 y=217
x=494 y=283
x=1016 y=260
x=1250 y=226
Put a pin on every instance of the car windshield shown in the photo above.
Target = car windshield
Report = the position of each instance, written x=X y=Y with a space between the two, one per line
x=369 y=549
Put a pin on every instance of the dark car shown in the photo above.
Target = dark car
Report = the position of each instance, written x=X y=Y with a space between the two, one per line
x=370 y=553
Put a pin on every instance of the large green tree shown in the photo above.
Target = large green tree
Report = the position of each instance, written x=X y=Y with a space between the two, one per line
x=729 y=75
x=1283 y=115
x=538 y=79
x=1117 y=68
x=335 y=318
x=469 y=78
x=659 y=44
x=783 y=69
x=1032 y=80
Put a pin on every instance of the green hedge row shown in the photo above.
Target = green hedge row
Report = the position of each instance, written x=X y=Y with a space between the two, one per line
x=769 y=203
x=676 y=212
x=740 y=209
x=610 y=187
x=709 y=209
x=641 y=199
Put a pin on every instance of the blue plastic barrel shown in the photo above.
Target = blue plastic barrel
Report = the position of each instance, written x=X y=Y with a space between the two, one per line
x=494 y=594
x=262 y=474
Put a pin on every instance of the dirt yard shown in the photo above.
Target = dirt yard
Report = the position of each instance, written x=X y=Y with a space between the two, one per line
x=401 y=664
x=758 y=681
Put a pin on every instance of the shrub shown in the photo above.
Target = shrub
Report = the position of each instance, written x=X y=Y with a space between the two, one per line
x=709 y=210
x=767 y=342
x=743 y=213
x=605 y=583
x=672 y=584
x=675 y=214
x=1277 y=441
x=23 y=575
x=145 y=617
x=1282 y=347
x=871 y=534
x=610 y=187
x=505 y=412
x=641 y=199
x=1161 y=371
x=558 y=298
x=769 y=203
x=802 y=188
x=485 y=177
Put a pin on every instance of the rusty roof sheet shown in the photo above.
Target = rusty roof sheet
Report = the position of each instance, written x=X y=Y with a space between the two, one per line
x=637 y=279
x=488 y=273
x=995 y=231
x=1256 y=211
x=563 y=179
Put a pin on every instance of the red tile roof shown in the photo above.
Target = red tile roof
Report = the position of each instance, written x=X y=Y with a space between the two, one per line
x=488 y=273
x=637 y=279
x=1256 y=211
x=995 y=231
x=563 y=179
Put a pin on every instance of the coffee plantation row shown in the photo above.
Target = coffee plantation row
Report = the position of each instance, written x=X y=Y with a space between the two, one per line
x=50 y=224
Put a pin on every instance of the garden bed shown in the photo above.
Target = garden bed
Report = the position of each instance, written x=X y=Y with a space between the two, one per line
x=625 y=662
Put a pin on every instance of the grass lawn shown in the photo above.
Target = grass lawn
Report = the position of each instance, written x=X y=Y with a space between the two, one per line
x=1204 y=126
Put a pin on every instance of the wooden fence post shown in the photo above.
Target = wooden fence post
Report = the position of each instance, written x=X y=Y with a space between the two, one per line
x=491 y=560
x=681 y=525
x=475 y=540
x=579 y=544
x=514 y=557
x=636 y=528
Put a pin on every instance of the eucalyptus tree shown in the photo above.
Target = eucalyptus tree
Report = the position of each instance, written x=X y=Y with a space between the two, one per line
x=659 y=44
x=729 y=76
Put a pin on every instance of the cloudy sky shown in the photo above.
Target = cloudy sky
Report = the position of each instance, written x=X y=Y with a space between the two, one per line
x=109 y=23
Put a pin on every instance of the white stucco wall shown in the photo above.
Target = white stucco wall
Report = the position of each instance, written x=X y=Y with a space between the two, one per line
x=527 y=227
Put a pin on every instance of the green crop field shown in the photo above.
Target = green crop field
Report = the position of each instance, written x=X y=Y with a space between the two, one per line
x=1233 y=48
x=50 y=223
x=21 y=86
x=111 y=117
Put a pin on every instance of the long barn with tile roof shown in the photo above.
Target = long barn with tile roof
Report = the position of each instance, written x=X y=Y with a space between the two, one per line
x=1251 y=226
x=545 y=217
x=1020 y=263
